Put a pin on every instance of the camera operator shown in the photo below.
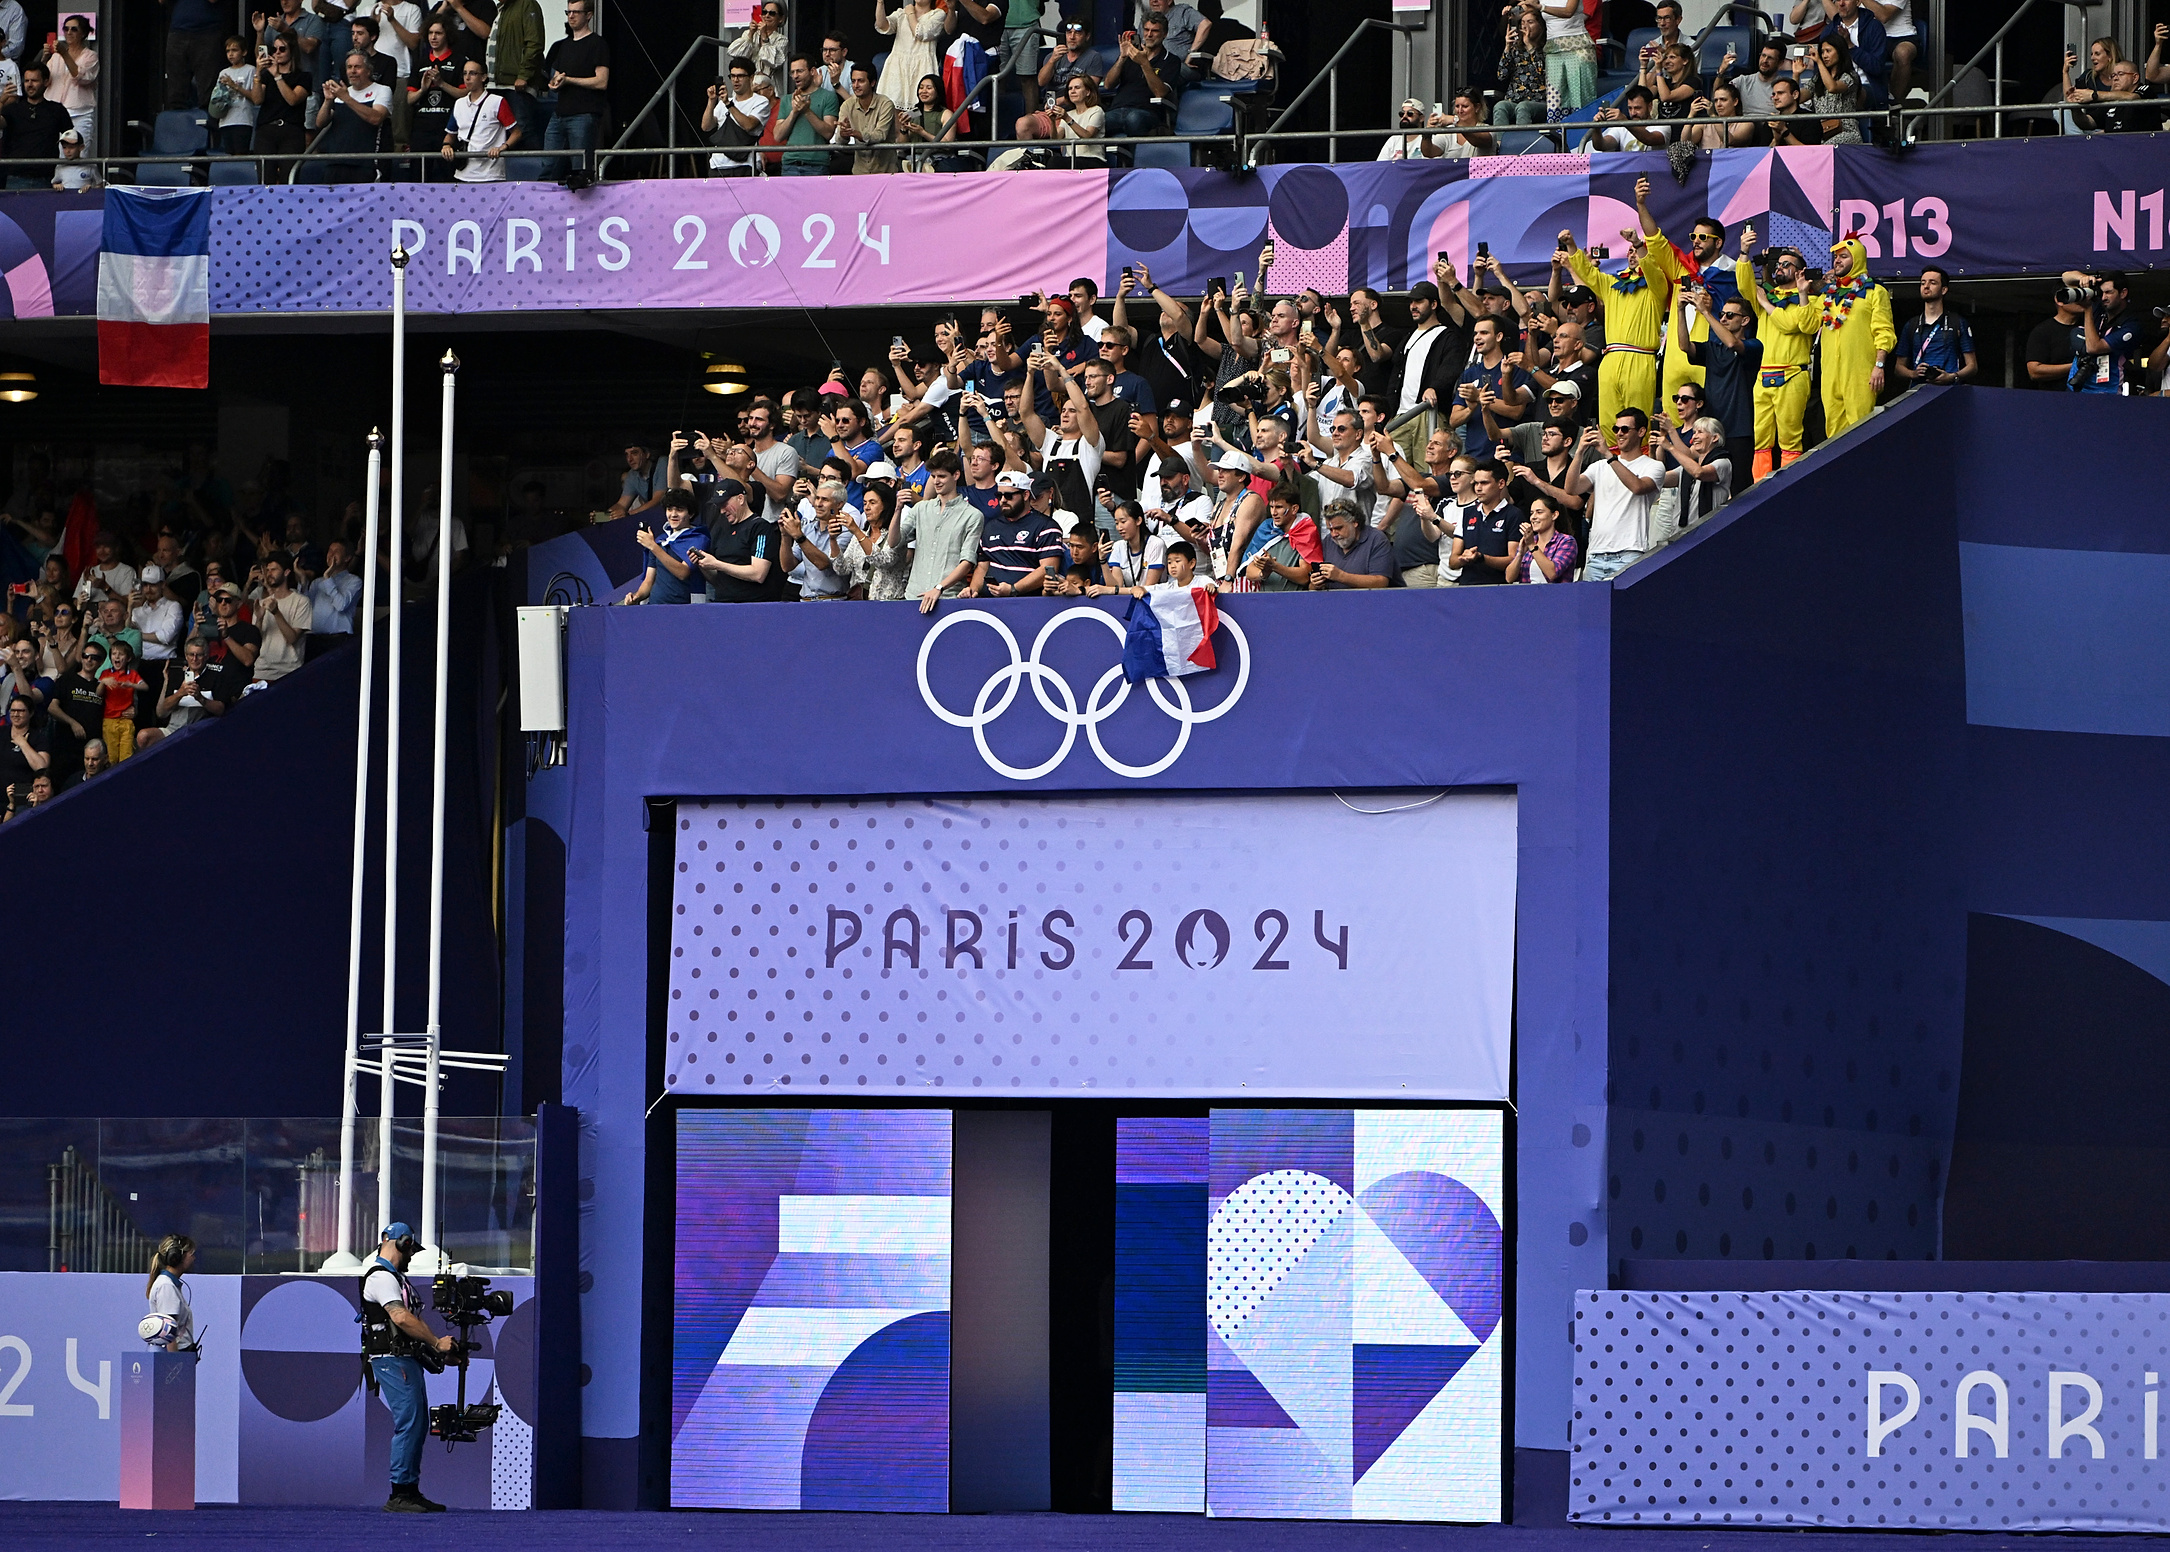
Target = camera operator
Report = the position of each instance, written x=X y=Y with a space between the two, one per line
x=1937 y=347
x=392 y=1331
x=2105 y=338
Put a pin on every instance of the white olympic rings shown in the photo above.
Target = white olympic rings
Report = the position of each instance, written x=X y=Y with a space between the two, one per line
x=1001 y=690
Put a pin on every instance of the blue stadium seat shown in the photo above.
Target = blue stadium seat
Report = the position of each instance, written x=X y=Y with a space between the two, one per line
x=231 y=170
x=1742 y=40
x=1523 y=142
x=1635 y=42
x=1203 y=112
x=175 y=132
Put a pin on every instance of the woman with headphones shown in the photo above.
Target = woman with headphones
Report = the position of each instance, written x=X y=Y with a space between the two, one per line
x=170 y=1324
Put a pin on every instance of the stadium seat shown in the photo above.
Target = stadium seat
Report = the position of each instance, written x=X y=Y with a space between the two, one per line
x=1742 y=40
x=1523 y=142
x=231 y=170
x=1634 y=46
x=175 y=132
x=1203 y=111
x=1161 y=156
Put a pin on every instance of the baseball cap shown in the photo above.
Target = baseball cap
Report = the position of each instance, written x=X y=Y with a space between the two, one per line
x=1424 y=289
x=1233 y=460
x=880 y=469
x=726 y=489
x=836 y=388
x=1042 y=483
x=397 y=1231
x=228 y=590
x=70 y=137
x=154 y=574
x=1563 y=389
x=1578 y=296
x=1013 y=479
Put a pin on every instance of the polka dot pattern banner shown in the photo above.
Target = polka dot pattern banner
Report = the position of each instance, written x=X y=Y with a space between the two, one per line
x=1175 y=945
x=1919 y=1411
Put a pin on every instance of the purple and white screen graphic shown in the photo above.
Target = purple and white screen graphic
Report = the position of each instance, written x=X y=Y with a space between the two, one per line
x=810 y=1363
x=1355 y=1315
x=1187 y=945
x=1920 y=1411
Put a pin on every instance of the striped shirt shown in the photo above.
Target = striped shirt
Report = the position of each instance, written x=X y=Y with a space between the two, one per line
x=1013 y=550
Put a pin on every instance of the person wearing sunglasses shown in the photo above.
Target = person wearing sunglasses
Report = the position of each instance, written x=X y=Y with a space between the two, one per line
x=1623 y=489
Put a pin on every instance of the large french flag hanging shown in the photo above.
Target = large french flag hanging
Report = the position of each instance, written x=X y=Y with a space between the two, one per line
x=1170 y=634
x=154 y=289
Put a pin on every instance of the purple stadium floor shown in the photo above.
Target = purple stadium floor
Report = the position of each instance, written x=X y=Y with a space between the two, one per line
x=28 y=1526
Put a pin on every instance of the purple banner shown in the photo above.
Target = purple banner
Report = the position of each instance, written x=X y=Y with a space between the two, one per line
x=2009 y=207
x=782 y=242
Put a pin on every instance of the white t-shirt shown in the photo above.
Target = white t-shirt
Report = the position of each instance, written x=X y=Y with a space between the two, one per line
x=1614 y=138
x=240 y=78
x=1566 y=26
x=1094 y=326
x=1416 y=352
x=480 y=128
x=388 y=41
x=754 y=106
x=118 y=580
x=1621 y=524
x=1086 y=453
x=1149 y=493
x=169 y=1296
x=384 y=1286
x=1450 y=528
x=1156 y=555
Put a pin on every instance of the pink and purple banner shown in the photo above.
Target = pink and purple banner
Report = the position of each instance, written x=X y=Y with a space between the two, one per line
x=723 y=243
x=1980 y=208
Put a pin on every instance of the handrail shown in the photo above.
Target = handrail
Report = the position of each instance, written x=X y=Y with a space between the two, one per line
x=1720 y=15
x=1326 y=69
x=1984 y=52
x=664 y=89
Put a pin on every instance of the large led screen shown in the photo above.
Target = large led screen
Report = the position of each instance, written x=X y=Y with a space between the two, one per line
x=1310 y=1314
x=1193 y=945
x=810 y=1359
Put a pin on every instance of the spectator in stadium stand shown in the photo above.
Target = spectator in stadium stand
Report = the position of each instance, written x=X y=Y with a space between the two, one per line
x=867 y=124
x=671 y=575
x=807 y=122
x=905 y=465
x=75 y=709
x=281 y=93
x=742 y=561
x=577 y=68
x=1522 y=72
x=282 y=615
x=352 y=119
x=157 y=619
x=1544 y=551
x=1136 y=85
x=1623 y=489
x=764 y=42
x=775 y=462
x=1731 y=360
x=96 y=762
x=483 y=126
x=1490 y=525
x=432 y=87
x=1867 y=50
x=1020 y=548
x=1139 y=557
x=1464 y=134
x=733 y=118
x=639 y=488
x=1787 y=98
x=1754 y=87
x=195 y=49
x=1553 y=475
x=22 y=676
x=1360 y=328
x=2052 y=343
x=1627 y=127
x=1179 y=23
x=365 y=36
x=1074 y=56
x=238 y=642
x=2125 y=106
x=1071 y=449
x=187 y=693
x=27 y=752
x=1936 y=346
x=979 y=485
x=834 y=71
x=943 y=531
x=233 y=126
x=335 y=597
x=122 y=684
x=73 y=64
x=106 y=576
x=1356 y=556
x=1701 y=475
x=813 y=537
x=112 y=626
x=1084 y=572
x=1408 y=145
x=872 y=558
x=1491 y=392
x=33 y=125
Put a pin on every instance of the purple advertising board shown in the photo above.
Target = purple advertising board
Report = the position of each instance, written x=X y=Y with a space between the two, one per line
x=2003 y=207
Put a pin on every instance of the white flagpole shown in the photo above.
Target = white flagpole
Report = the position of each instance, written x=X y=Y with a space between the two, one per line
x=451 y=366
x=344 y=1259
x=387 y=1085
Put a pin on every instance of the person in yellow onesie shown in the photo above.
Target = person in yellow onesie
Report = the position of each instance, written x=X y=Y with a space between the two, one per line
x=1706 y=247
x=1634 y=304
x=1787 y=322
x=1857 y=339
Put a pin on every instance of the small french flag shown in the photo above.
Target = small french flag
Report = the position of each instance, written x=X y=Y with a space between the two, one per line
x=154 y=289
x=1170 y=634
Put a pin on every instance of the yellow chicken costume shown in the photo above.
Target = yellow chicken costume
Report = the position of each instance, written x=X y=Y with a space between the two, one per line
x=1857 y=338
x=1678 y=368
x=1634 y=304
x=1788 y=324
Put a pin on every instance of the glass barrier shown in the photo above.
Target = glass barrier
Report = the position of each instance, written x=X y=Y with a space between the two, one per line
x=257 y=1196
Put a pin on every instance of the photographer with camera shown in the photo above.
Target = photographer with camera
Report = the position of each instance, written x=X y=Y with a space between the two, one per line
x=1936 y=347
x=2105 y=339
x=393 y=1332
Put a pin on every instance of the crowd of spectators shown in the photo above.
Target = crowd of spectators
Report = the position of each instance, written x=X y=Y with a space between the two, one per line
x=211 y=595
x=1508 y=435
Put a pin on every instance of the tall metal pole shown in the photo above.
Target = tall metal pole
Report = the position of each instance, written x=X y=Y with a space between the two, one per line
x=451 y=366
x=344 y=1259
x=386 y=1089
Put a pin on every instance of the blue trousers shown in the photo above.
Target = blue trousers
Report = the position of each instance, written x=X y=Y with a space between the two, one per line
x=577 y=133
x=400 y=1381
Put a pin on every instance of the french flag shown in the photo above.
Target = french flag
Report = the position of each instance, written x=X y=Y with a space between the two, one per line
x=154 y=289
x=1170 y=634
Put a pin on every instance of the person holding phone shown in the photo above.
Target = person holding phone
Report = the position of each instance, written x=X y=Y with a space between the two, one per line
x=1623 y=489
x=670 y=576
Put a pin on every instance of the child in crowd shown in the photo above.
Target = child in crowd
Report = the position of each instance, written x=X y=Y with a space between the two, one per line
x=122 y=685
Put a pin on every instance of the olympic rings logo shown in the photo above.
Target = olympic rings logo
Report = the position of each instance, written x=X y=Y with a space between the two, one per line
x=1059 y=701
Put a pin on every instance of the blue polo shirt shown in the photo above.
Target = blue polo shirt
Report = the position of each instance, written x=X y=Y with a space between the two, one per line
x=667 y=589
x=1500 y=380
x=2104 y=373
x=1944 y=344
x=1136 y=392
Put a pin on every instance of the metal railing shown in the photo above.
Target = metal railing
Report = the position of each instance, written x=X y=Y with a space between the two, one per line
x=1995 y=46
x=87 y=1228
x=1332 y=77
x=203 y=162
